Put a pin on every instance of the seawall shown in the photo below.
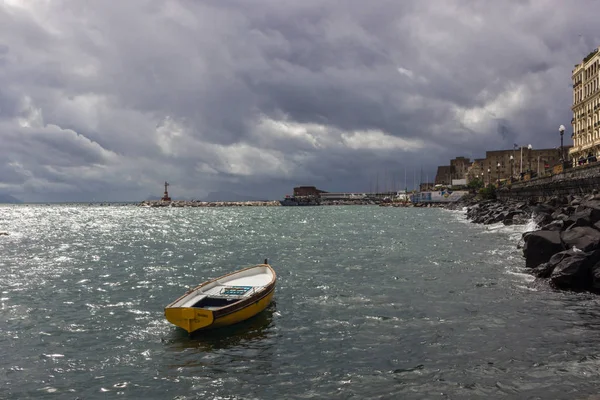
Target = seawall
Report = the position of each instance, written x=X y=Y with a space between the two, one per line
x=573 y=181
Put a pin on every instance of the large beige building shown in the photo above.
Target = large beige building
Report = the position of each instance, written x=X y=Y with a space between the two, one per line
x=586 y=110
x=499 y=165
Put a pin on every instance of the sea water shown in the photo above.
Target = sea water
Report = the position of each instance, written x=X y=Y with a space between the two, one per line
x=371 y=303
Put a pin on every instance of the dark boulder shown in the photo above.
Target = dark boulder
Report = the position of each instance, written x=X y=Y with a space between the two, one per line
x=510 y=215
x=521 y=206
x=498 y=217
x=555 y=202
x=584 y=238
x=569 y=210
x=583 y=217
x=521 y=219
x=595 y=276
x=560 y=214
x=574 y=200
x=577 y=271
x=540 y=246
x=562 y=217
x=572 y=273
x=542 y=218
x=556 y=225
x=593 y=205
x=545 y=270
x=543 y=208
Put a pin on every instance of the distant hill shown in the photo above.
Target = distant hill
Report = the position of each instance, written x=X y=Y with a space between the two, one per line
x=8 y=199
x=229 y=196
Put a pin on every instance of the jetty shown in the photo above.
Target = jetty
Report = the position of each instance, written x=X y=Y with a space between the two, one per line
x=195 y=203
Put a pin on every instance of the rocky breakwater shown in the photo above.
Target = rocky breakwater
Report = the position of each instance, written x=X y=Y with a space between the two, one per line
x=193 y=203
x=565 y=249
x=348 y=202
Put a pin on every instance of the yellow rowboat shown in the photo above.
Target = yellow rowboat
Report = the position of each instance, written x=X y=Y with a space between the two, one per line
x=223 y=301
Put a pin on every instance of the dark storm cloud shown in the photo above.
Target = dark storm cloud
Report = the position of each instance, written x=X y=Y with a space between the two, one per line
x=106 y=99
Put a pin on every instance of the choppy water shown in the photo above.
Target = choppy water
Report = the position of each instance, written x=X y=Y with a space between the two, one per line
x=371 y=302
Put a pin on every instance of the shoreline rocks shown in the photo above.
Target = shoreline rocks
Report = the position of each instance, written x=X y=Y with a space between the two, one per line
x=564 y=249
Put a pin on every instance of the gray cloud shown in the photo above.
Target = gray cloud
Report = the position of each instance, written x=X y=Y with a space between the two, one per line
x=105 y=101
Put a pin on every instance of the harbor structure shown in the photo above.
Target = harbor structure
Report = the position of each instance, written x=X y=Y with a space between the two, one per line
x=586 y=110
x=166 y=194
x=307 y=191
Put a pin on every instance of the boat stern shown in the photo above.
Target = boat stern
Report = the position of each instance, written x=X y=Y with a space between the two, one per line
x=189 y=318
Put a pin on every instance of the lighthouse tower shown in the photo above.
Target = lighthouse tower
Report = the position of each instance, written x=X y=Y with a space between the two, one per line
x=166 y=195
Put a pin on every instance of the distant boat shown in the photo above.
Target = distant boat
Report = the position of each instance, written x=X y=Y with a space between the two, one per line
x=223 y=301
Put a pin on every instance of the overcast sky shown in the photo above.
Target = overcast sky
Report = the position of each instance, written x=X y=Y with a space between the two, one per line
x=105 y=100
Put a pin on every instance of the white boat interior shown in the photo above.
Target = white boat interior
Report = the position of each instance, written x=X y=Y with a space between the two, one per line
x=228 y=289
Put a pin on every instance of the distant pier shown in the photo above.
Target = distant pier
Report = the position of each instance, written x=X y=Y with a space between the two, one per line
x=193 y=203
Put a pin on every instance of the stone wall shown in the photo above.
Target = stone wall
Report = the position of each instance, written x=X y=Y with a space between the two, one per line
x=574 y=181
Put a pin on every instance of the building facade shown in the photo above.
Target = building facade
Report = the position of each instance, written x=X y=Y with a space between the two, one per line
x=443 y=175
x=307 y=191
x=498 y=164
x=460 y=167
x=586 y=110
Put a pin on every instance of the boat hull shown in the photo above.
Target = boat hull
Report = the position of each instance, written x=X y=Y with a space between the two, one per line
x=244 y=313
x=194 y=319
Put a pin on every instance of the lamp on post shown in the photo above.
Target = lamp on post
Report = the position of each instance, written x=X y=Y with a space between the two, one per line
x=529 y=147
x=512 y=161
x=489 y=179
x=561 y=130
x=498 y=175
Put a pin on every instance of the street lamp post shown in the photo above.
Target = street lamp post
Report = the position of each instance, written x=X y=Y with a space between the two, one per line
x=561 y=130
x=512 y=161
x=489 y=179
x=521 y=163
x=498 y=175
x=529 y=157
